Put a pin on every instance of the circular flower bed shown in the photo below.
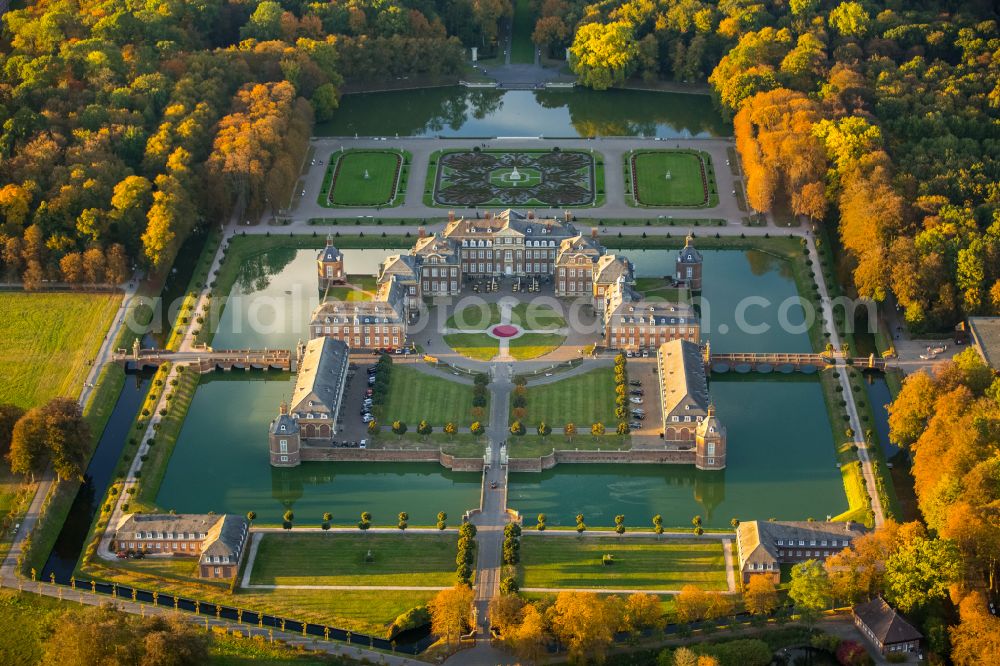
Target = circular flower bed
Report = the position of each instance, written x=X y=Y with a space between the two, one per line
x=505 y=331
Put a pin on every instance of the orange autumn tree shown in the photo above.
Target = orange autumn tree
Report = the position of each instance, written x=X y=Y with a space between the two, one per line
x=782 y=157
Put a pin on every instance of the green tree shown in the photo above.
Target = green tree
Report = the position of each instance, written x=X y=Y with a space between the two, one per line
x=541 y=522
x=9 y=416
x=365 y=522
x=450 y=429
x=810 y=587
x=404 y=519
x=543 y=429
x=623 y=428
x=620 y=524
x=399 y=428
x=287 y=519
x=850 y=19
x=327 y=517
x=477 y=428
x=264 y=23
x=921 y=571
x=597 y=429
x=517 y=428
x=569 y=430
x=658 y=524
x=251 y=516
x=442 y=519
x=603 y=55
x=325 y=101
x=424 y=428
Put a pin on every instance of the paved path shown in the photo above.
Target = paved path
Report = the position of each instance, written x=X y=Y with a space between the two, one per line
x=613 y=151
x=86 y=598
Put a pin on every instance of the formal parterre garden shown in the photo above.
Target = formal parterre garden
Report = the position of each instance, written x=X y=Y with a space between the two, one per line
x=671 y=178
x=557 y=178
x=365 y=178
x=468 y=331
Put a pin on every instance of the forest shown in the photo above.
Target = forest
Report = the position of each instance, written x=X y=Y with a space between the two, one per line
x=878 y=119
x=124 y=126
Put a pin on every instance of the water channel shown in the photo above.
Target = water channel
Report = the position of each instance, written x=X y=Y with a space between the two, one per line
x=463 y=112
x=781 y=442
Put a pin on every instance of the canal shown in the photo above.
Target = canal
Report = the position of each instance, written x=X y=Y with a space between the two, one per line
x=463 y=112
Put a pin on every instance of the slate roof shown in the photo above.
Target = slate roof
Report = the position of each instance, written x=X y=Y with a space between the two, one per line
x=610 y=267
x=190 y=523
x=226 y=538
x=683 y=384
x=290 y=424
x=510 y=220
x=320 y=377
x=689 y=254
x=757 y=540
x=586 y=245
x=387 y=308
x=329 y=253
x=885 y=623
x=632 y=309
x=403 y=265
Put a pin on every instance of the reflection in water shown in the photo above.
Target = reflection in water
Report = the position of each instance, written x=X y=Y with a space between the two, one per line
x=256 y=272
x=456 y=111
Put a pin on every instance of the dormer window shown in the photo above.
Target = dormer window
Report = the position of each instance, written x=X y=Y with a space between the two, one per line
x=282 y=428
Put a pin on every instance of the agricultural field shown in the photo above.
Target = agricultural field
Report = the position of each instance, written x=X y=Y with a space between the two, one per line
x=47 y=340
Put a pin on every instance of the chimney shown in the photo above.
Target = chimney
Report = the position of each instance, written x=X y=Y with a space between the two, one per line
x=567 y=216
x=531 y=214
x=422 y=232
x=489 y=215
x=847 y=525
x=283 y=409
x=451 y=216
x=593 y=232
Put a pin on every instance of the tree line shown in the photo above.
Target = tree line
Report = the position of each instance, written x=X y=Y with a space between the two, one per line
x=52 y=434
x=877 y=119
x=125 y=127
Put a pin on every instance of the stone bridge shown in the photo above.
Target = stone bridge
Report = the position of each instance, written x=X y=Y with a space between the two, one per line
x=769 y=362
x=209 y=360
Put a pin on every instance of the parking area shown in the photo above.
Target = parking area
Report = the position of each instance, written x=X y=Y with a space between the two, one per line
x=351 y=424
x=642 y=377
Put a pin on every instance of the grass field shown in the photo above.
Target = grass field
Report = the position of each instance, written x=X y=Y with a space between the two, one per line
x=522 y=49
x=46 y=340
x=534 y=446
x=415 y=395
x=358 y=288
x=362 y=610
x=582 y=400
x=639 y=563
x=683 y=188
x=422 y=560
x=533 y=345
x=30 y=620
x=477 y=346
x=475 y=317
x=536 y=317
x=348 y=185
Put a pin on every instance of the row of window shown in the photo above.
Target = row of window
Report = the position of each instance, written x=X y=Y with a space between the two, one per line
x=445 y=272
x=357 y=329
x=170 y=535
x=813 y=542
x=802 y=553
x=179 y=547
x=507 y=240
x=572 y=272
x=440 y=286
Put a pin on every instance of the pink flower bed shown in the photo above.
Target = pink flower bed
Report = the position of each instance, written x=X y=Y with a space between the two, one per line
x=505 y=331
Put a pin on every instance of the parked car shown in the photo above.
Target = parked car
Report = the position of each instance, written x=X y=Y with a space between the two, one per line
x=628 y=354
x=367 y=418
x=363 y=444
x=635 y=401
x=634 y=382
x=638 y=392
x=635 y=425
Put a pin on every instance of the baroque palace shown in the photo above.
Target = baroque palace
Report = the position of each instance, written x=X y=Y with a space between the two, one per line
x=509 y=244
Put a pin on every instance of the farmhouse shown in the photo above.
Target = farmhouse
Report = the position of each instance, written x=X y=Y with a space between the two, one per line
x=311 y=418
x=217 y=541
x=886 y=628
x=763 y=546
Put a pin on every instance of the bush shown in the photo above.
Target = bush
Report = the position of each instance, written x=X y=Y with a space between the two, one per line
x=412 y=619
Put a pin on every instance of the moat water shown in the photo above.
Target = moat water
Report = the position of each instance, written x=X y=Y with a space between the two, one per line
x=784 y=449
x=463 y=112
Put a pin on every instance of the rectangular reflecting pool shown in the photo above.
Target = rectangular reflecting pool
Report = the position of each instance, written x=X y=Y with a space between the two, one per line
x=220 y=464
x=781 y=464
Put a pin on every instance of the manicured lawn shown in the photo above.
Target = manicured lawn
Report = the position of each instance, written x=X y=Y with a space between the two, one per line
x=536 y=317
x=350 y=187
x=683 y=188
x=656 y=288
x=361 y=610
x=533 y=345
x=477 y=346
x=639 y=563
x=358 y=288
x=415 y=395
x=46 y=340
x=423 y=560
x=582 y=400
x=475 y=318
